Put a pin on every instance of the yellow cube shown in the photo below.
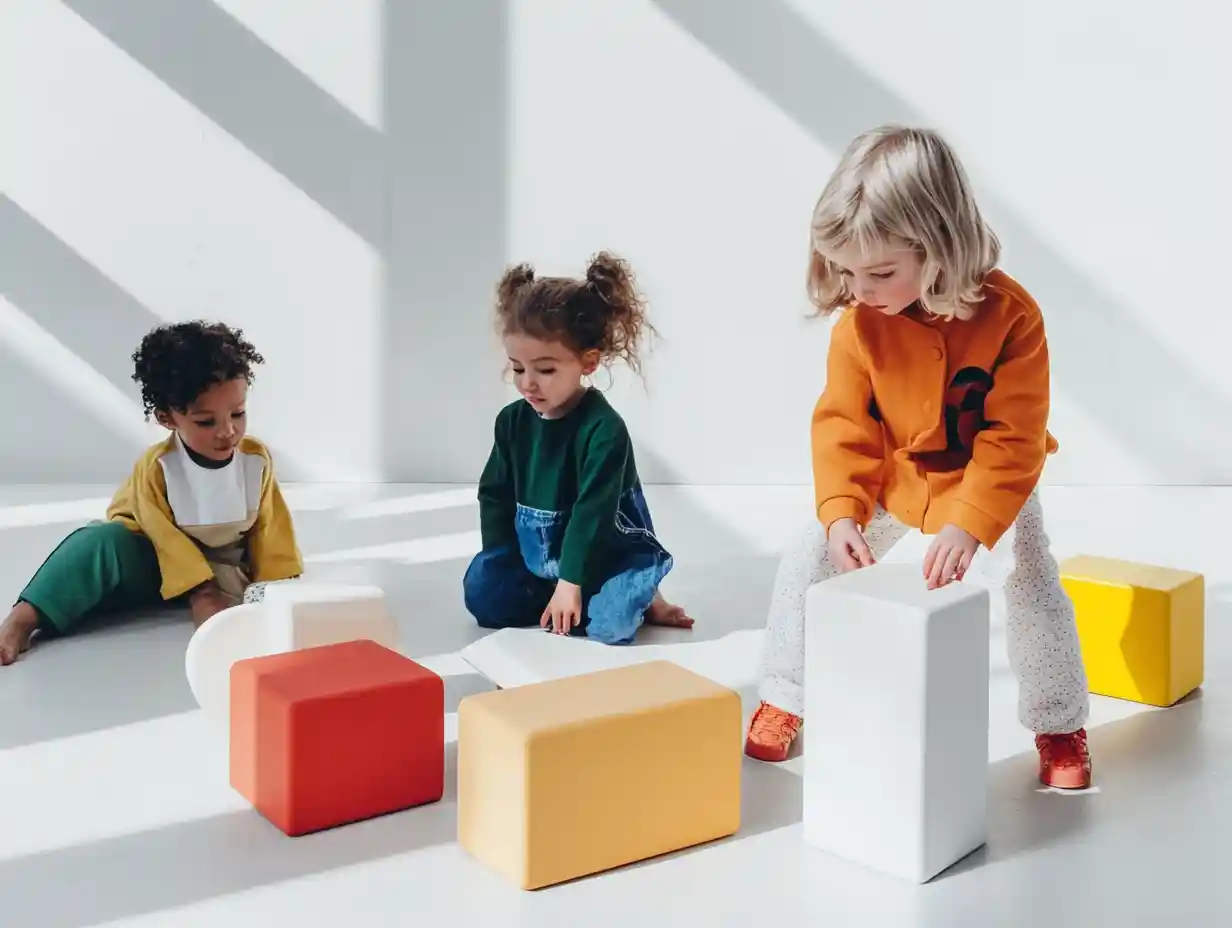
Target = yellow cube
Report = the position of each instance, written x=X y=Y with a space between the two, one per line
x=573 y=776
x=1142 y=628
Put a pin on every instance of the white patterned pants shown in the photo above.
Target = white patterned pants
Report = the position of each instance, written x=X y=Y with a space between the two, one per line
x=1041 y=637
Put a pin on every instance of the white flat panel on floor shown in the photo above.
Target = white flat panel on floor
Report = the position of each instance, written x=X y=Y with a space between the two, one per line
x=896 y=699
x=518 y=656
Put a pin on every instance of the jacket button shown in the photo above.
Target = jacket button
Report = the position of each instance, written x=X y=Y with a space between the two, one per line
x=938 y=354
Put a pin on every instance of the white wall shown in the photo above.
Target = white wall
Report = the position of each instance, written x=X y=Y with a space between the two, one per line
x=345 y=179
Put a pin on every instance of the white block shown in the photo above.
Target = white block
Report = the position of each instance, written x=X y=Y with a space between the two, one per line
x=896 y=703
x=229 y=636
x=290 y=615
x=306 y=615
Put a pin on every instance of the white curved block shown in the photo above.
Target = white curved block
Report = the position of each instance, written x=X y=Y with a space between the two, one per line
x=306 y=615
x=896 y=696
x=287 y=616
x=226 y=637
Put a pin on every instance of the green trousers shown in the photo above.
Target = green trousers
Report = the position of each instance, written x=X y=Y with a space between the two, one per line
x=98 y=569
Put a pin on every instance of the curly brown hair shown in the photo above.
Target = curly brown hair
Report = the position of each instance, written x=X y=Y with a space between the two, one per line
x=603 y=312
x=176 y=363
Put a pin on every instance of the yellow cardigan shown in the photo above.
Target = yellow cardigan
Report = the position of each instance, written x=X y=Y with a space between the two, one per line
x=265 y=531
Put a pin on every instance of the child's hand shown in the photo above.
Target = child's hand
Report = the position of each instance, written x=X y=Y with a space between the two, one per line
x=847 y=547
x=565 y=609
x=949 y=556
x=206 y=600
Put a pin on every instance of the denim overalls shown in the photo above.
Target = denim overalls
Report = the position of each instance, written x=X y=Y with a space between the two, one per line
x=508 y=587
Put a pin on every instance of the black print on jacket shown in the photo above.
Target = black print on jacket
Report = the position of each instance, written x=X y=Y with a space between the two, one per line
x=964 y=420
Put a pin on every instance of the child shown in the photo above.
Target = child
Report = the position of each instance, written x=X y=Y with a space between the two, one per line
x=568 y=541
x=934 y=416
x=201 y=516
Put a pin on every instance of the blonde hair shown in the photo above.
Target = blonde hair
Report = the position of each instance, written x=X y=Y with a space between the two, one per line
x=903 y=186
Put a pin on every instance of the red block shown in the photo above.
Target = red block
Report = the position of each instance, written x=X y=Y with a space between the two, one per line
x=336 y=734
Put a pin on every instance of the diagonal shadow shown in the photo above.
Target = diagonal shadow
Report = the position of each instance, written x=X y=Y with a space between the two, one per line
x=75 y=302
x=782 y=54
x=194 y=861
x=224 y=70
x=440 y=225
x=446 y=117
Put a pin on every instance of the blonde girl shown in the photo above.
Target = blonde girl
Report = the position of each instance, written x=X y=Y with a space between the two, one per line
x=934 y=416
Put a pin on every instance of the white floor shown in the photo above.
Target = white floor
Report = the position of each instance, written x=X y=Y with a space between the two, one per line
x=115 y=808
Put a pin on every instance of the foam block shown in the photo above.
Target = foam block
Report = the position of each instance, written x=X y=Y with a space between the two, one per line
x=570 y=777
x=896 y=696
x=229 y=636
x=307 y=615
x=290 y=615
x=1142 y=628
x=335 y=734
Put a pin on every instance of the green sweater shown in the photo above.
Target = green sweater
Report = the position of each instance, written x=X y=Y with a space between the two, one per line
x=579 y=465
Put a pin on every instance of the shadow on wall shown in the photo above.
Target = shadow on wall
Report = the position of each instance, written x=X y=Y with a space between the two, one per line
x=427 y=192
x=446 y=118
x=1163 y=417
x=49 y=434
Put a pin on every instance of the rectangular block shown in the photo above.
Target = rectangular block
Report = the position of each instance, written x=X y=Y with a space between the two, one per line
x=335 y=734
x=1142 y=628
x=308 y=615
x=896 y=699
x=569 y=777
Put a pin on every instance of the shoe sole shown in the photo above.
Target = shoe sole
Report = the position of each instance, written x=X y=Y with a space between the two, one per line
x=1066 y=781
x=763 y=754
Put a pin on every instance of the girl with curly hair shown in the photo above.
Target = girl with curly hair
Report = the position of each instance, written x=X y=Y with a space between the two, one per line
x=201 y=516
x=568 y=541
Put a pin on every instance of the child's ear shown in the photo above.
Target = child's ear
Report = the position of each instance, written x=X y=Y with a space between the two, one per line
x=590 y=361
x=163 y=418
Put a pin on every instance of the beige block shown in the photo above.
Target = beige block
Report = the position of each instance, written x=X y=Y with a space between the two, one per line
x=577 y=775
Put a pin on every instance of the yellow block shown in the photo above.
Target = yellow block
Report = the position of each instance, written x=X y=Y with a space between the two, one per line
x=570 y=777
x=1142 y=628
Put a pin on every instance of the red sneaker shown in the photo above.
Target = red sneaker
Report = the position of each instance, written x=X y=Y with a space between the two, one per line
x=771 y=733
x=1065 y=762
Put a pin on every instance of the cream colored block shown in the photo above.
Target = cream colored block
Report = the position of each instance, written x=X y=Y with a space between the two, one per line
x=289 y=616
x=308 y=615
x=574 y=776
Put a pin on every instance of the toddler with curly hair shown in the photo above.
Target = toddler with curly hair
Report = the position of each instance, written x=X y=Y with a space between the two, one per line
x=568 y=542
x=200 y=517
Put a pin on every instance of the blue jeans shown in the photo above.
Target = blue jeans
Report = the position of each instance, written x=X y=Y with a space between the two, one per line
x=510 y=586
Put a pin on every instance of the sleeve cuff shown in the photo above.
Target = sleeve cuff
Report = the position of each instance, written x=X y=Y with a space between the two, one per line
x=842 y=507
x=572 y=573
x=985 y=529
x=185 y=583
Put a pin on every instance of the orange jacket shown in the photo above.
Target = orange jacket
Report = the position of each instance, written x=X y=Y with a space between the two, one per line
x=939 y=421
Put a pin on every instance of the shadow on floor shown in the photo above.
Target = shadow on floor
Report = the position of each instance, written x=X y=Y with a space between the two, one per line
x=194 y=861
x=1133 y=760
x=120 y=670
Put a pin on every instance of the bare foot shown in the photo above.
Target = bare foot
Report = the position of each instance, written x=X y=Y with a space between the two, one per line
x=15 y=632
x=661 y=612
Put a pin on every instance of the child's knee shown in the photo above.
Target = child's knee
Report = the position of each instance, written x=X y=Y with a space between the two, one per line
x=477 y=591
x=495 y=590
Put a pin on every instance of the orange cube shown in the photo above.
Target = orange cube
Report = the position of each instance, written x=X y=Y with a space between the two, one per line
x=336 y=734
